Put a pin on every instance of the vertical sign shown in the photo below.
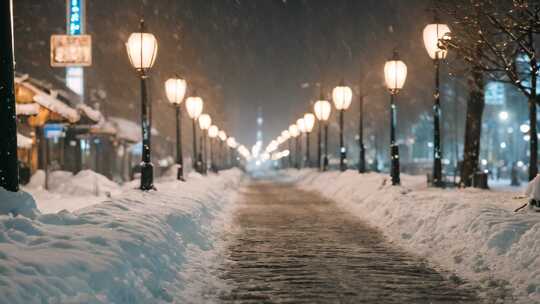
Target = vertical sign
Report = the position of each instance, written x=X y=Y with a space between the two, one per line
x=75 y=24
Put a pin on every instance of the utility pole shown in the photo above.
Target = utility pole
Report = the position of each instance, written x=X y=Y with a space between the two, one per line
x=9 y=166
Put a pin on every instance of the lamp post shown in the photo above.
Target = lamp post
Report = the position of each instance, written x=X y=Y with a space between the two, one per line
x=395 y=74
x=342 y=96
x=286 y=136
x=301 y=124
x=213 y=133
x=194 y=107
x=433 y=33
x=231 y=143
x=175 y=88
x=322 y=109
x=142 y=50
x=294 y=133
x=204 y=123
x=9 y=168
x=222 y=139
x=362 y=155
x=309 y=121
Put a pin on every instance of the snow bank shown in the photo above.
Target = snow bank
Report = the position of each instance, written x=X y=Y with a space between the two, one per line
x=131 y=249
x=472 y=232
x=17 y=203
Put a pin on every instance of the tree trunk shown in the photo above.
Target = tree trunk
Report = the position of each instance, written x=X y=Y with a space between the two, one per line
x=473 y=127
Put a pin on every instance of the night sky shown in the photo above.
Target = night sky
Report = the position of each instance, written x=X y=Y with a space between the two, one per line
x=242 y=55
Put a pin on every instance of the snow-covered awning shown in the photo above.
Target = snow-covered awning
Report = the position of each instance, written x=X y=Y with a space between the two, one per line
x=93 y=114
x=23 y=142
x=27 y=108
x=128 y=129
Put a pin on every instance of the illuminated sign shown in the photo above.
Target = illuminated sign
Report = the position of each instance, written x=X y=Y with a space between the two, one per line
x=75 y=17
x=69 y=50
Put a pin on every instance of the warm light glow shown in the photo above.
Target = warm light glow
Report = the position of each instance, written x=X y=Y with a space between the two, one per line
x=293 y=130
x=213 y=131
x=222 y=135
x=395 y=74
x=142 y=50
x=194 y=107
x=301 y=124
x=322 y=109
x=503 y=115
x=342 y=97
x=524 y=128
x=309 y=121
x=433 y=33
x=205 y=121
x=175 y=88
x=285 y=135
x=231 y=142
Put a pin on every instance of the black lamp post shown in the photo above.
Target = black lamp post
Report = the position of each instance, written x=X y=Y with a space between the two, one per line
x=395 y=72
x=309 y=123
x=194 y=107
x=175 y=88
x=204 y=123
x=433 y=33
x=9 y=164
x=342 y=97
x=362 y=156
x=213 y=133
x=142 y=51
x=322 y=109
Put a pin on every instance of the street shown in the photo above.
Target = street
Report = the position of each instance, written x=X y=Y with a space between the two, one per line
x=293 y=246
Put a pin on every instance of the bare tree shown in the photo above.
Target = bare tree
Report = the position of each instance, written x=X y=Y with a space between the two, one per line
x=498 y=41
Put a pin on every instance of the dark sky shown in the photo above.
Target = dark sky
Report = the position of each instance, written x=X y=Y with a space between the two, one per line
x=242 y=54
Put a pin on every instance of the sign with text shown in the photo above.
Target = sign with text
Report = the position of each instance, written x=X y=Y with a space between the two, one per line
x=71 y=50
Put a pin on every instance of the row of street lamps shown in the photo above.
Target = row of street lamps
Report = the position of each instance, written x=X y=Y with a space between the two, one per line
x=395 y=74
x=142 y=50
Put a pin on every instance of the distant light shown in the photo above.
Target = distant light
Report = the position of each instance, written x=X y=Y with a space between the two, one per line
x=430 y=144
x=486 y=171
x=503 y=145
x=520 y=164
x=484 y=162
x=503 y=115
x=510 y=130
x=524 y=128
x=527 y=137
x=446 y=161
x=343 y=149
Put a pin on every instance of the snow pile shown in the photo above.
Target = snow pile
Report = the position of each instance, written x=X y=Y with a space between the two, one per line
x=132 y=249
x=16 y=203
x=472 y=232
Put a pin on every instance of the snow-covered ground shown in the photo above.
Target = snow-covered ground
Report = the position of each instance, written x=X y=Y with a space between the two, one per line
x=125 y=246
x=471 y=232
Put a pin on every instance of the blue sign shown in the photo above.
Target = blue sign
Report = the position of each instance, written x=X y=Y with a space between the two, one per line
x=53 y=130
x=75 y=17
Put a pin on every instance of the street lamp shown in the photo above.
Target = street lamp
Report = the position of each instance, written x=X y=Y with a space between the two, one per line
x=223 y=139
x=433 y=33
x=9 y=165
x=194 y=107
x=322 y=109
x=175 y=88
x=142 y=49
x=204 y=123
x=342 y=96
x=301 y=124
x=294 y=133
x=231 y=142
x=309 y=121
x=213 y=133
x=395 y=74
x=503 y=116
x=286 y=136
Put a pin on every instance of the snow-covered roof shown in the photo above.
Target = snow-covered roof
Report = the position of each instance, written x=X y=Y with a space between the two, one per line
x=23 y=142
x=93 y=114
x=49 y=101
x=129 y=130
x=27 y=108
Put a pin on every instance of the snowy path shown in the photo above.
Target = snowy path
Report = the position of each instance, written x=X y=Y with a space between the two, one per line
x=292 y=246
